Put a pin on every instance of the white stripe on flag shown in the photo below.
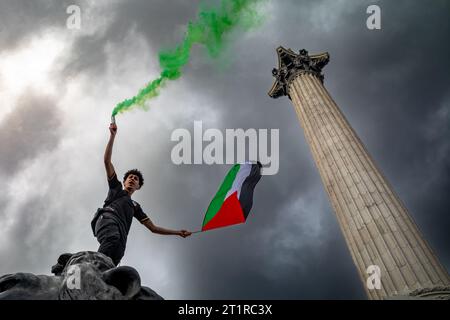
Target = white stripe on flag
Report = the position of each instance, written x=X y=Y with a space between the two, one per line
x=244 y=172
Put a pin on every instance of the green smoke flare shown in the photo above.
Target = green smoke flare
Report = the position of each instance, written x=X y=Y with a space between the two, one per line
x=208 y=30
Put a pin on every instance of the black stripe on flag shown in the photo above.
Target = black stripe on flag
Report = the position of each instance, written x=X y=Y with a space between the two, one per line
x=248 y=186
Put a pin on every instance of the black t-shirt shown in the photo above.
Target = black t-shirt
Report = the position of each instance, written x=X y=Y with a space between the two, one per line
x=125 y=208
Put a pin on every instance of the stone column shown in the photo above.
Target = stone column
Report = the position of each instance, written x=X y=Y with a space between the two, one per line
x=376 y=225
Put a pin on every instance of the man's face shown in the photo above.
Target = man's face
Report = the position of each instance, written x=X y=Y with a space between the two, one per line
x=132 y=182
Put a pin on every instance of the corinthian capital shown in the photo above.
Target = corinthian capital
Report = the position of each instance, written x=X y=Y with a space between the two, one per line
x=290 y=64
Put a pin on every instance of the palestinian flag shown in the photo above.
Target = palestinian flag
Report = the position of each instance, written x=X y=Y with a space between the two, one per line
x=232 y=203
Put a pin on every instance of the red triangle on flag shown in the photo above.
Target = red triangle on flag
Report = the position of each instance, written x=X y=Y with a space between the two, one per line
x=230 y=213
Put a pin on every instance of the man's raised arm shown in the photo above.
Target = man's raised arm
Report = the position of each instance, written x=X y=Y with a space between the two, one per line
x=108 y=152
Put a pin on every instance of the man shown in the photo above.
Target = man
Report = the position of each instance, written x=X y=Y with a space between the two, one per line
x=112 y=223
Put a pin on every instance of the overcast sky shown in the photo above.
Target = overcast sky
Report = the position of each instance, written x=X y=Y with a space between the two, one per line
x=58 y=87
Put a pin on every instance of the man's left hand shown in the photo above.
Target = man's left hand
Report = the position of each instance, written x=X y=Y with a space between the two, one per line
x=184 y=233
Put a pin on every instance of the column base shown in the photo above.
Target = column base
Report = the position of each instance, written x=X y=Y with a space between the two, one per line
x=435 y=293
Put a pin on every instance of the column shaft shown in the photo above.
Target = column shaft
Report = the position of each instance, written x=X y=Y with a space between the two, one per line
x=376 y=225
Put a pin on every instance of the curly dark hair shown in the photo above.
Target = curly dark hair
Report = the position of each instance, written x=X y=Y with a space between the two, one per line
x=137 y=173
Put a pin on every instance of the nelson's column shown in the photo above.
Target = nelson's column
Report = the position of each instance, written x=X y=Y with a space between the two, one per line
x=376 y=225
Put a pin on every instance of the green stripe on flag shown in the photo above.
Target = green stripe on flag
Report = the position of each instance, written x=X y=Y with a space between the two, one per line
x=219 y=198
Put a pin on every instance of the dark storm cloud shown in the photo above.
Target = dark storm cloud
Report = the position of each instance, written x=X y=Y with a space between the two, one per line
x=30 y=129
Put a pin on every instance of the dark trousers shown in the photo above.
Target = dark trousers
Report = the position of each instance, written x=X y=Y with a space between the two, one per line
x=108 y=235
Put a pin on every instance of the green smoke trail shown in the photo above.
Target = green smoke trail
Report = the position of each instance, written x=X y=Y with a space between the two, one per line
x=209 y=30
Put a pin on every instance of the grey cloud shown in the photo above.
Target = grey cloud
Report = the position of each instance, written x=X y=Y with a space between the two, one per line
x=35 y=240
x=29 y=130
x=22 y=19
x=158 y=21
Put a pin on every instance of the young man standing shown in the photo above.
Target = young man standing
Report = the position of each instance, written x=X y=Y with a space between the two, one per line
x=112 y=222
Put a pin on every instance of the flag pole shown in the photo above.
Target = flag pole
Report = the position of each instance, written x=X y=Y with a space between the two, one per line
x=198 y=231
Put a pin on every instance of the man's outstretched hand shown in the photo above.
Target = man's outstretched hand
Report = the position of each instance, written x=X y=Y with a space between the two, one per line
x=113 y=129
x=184 y=233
